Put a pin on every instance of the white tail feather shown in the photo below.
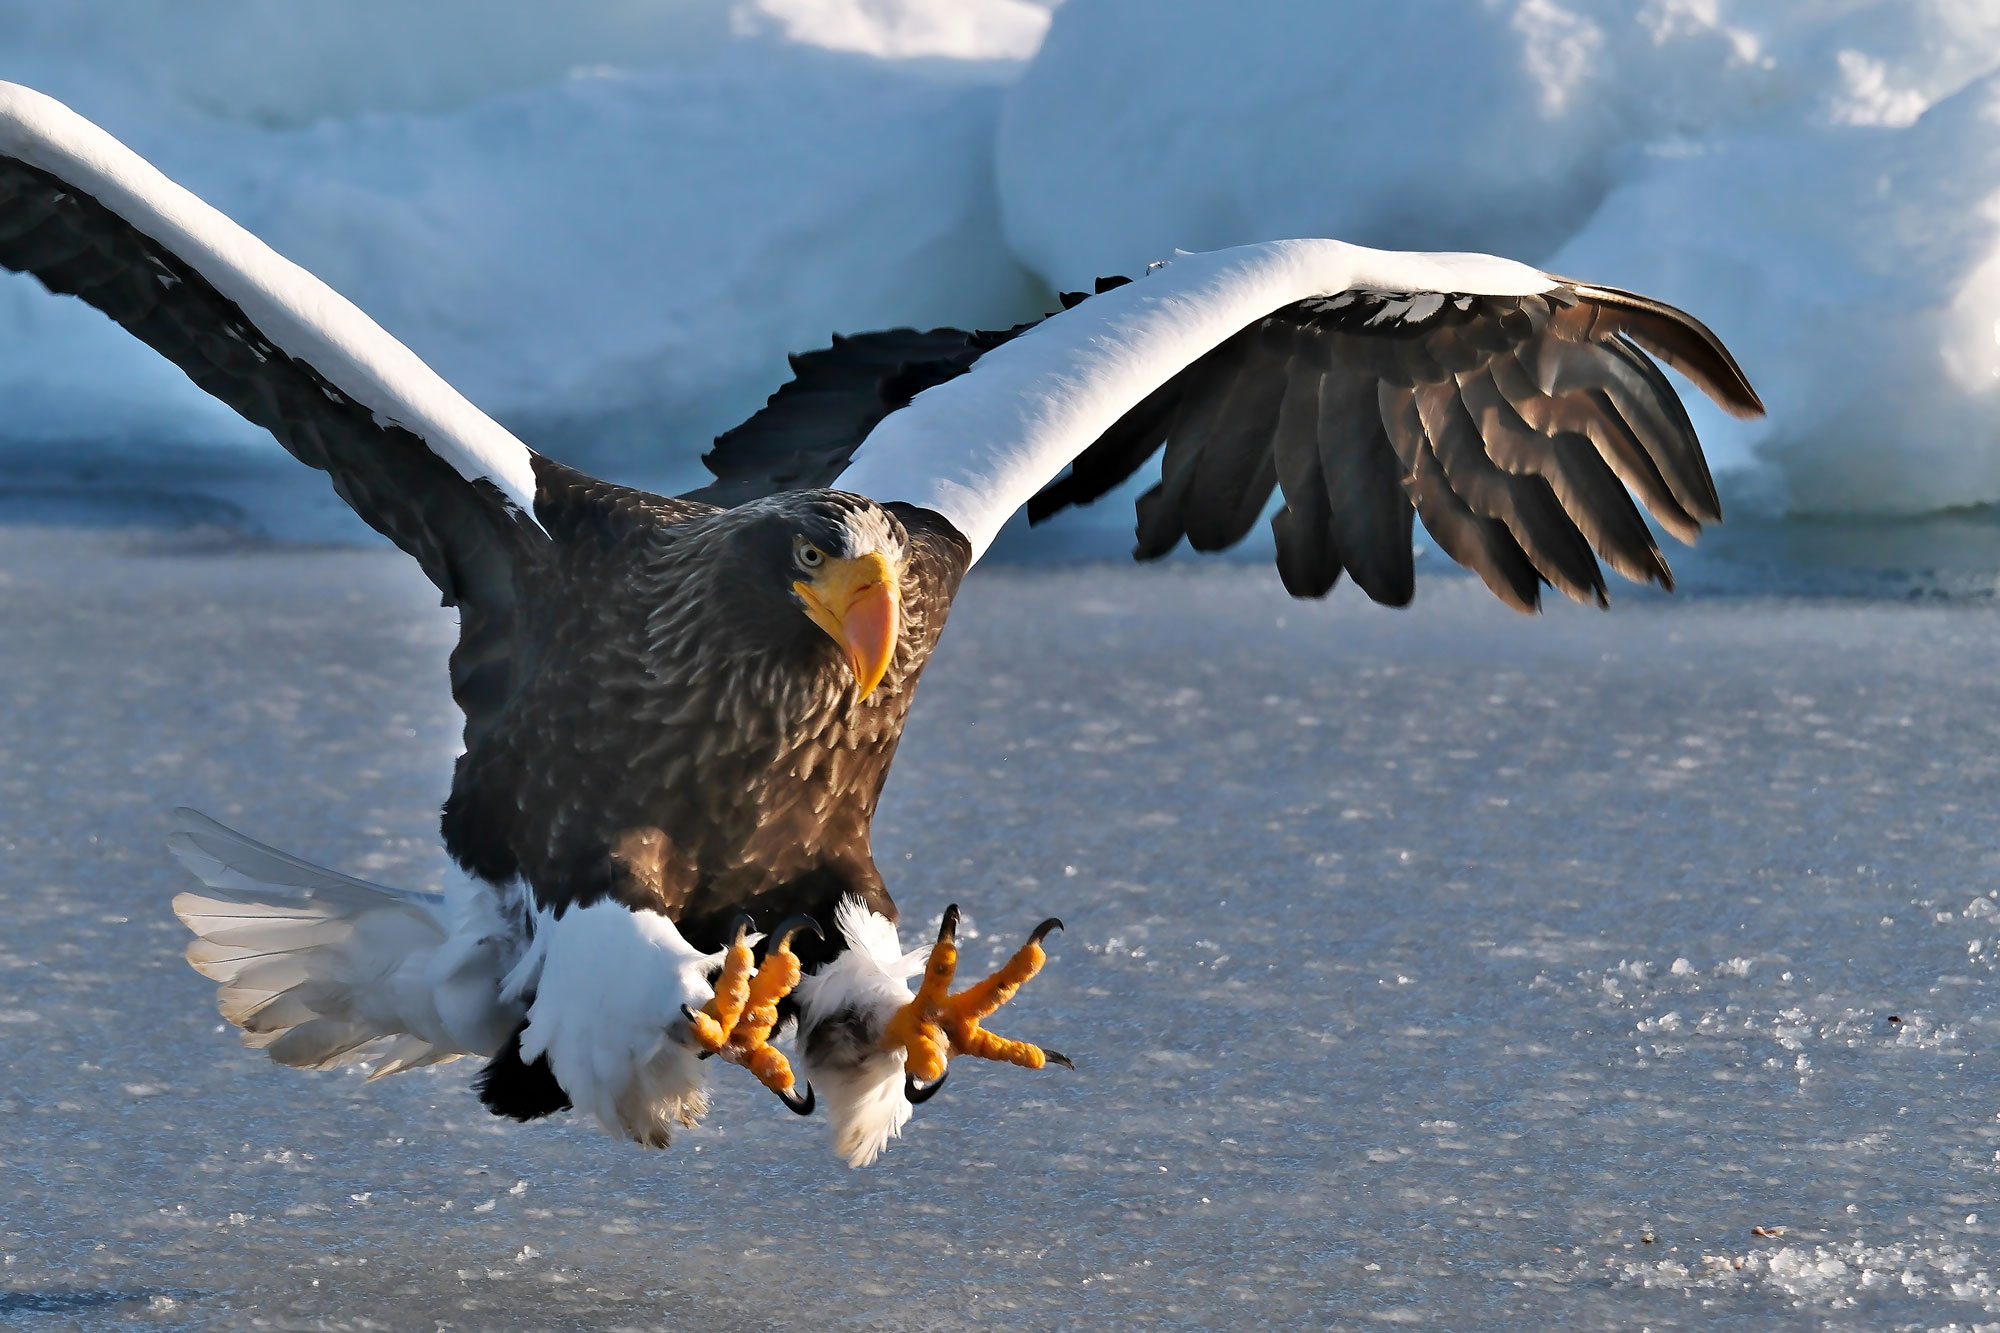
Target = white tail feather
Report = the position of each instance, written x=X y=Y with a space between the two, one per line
x=320 y=969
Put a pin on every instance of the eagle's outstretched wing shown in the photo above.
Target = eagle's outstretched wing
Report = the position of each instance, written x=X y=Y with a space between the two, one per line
x=807 y=433
x=1516 y=413
x=420 y=464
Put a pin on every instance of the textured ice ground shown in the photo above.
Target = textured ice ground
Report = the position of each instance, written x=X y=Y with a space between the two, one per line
x=1446 y=967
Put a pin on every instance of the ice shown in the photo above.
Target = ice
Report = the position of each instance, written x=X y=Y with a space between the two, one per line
x=1370 y=913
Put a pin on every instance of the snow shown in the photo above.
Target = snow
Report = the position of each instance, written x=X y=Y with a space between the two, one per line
x=607 y=230
x=1376 y=928
x=901 y=29
x=1880 y=334
x=608 y=242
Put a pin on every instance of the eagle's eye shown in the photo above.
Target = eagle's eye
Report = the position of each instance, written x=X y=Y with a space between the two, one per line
x=808 y=555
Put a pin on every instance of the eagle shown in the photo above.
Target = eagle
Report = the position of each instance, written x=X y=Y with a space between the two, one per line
x=680 y=710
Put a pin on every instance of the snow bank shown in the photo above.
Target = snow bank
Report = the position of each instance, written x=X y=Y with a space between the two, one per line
x=607 y=227
x=1855 y=270
x=606 y=230
x=1776 y=167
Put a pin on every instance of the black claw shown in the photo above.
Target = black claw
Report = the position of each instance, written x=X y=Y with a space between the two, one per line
x=1058 y=1058
x=948 y=928
x=1042 y=931
x=798 y=1105
x=699 y=1055
x=918 y=1093
x=790 y=926
x=743 y=925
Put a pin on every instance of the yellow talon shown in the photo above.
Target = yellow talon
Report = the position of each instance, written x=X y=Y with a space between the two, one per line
x=716 y=1022
x=936 y=1024
x=737 y=1022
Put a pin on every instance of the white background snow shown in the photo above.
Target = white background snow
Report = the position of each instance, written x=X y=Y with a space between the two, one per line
x=607 y=223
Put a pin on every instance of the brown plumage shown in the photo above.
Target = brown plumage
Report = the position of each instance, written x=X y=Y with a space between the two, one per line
x=688 y=742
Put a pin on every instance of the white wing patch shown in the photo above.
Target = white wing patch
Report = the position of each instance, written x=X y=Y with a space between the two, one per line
x=975 y=448
x=301 y=315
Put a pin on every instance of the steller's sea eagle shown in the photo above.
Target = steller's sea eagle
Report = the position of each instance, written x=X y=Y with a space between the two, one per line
x=679 y=711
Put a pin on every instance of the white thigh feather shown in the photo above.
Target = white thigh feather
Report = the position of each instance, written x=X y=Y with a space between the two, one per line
x=842 y=1011
x=609 y=985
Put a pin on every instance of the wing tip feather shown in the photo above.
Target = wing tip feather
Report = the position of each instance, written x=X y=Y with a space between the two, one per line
x=1706 y=360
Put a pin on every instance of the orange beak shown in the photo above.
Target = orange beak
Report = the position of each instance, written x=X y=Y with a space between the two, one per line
x=859 y=604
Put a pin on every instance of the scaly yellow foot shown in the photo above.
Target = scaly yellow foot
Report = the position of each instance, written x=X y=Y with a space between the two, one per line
x=737 y=1021
x=938 y=1024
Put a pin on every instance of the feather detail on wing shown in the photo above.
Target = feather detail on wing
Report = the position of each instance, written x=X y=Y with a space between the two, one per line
x=418 y=463
x=291 y=311
x=1517 y=414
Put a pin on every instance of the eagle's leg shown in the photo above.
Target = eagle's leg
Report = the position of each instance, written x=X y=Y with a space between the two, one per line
x=914 y=1028
x=713 y=1023
x=738 y=1021
x=938 y=1024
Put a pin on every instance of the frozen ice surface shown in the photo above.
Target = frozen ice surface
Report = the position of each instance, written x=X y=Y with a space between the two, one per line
x=1445 y=967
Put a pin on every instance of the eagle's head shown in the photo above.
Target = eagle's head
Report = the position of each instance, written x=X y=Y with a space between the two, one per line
x=814 y=566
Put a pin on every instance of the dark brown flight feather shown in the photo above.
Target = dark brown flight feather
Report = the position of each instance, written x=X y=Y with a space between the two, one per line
x=1519 y=429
